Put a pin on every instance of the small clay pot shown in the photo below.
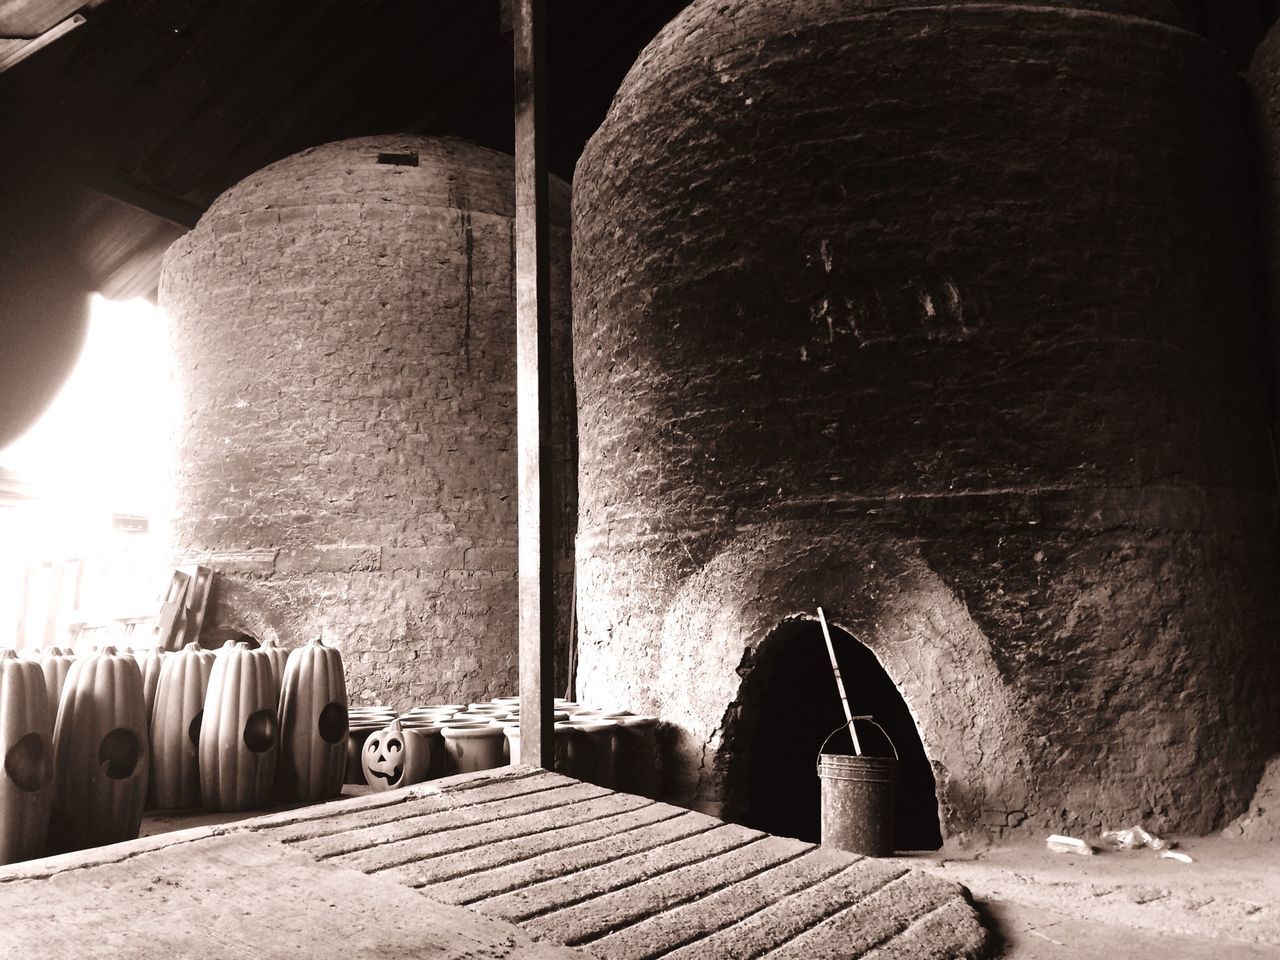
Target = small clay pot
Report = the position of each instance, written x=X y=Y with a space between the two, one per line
x=473 y=746
x=592 y=750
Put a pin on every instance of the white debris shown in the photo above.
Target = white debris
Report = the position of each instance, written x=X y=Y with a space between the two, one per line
x=1176 y=855
x=1060 y=844
x=1135 y=838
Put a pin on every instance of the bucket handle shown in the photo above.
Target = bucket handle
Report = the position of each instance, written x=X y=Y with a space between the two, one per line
x=869 y=720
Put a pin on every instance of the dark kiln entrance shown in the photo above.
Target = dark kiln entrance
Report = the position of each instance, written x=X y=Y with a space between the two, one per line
x=790 y=704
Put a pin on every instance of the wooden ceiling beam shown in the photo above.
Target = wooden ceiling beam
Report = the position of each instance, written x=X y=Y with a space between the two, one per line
x=175 y=209
x=30 y=19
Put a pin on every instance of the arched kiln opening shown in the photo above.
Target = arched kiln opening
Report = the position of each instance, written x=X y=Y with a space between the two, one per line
x=789 y=705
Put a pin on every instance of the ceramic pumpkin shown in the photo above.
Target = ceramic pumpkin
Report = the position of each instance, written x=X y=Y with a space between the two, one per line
x=313 y=723
x=279 y=657
x=239 y=735
x=55 y=665
x=100 y=753
x=394 y=757
x=175 y=728
x=26 y=749
x=149 y=662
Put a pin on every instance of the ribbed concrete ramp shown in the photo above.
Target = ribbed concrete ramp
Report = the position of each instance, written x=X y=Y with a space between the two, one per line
x=627 y=878
x=553 y=862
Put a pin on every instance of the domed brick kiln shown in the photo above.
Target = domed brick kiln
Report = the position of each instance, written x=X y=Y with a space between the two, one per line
x=344 y=323
x=943 y=317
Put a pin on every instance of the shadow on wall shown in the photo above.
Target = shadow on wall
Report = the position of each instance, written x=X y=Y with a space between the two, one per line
x=789 y=705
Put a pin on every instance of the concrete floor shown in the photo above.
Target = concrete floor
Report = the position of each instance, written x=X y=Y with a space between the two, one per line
x=1048 y=906
x=514 y=863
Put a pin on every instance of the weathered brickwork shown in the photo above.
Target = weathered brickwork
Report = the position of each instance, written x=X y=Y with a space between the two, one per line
x=345 y=336
x=942 y=316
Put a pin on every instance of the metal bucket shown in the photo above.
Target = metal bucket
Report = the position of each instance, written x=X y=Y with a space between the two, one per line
x=857 y=799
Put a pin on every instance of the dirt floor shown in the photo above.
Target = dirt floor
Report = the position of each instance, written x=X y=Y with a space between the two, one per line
x=1054 y=906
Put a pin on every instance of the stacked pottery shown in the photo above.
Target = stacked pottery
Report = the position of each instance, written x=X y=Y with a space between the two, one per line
x=561 y=732
x=592 y=749
x=428 y=725
x=636 y=760
x=472 y=745
x=363 y=722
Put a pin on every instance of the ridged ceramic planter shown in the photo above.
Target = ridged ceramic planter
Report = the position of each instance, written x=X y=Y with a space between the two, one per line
x=313 y=723
x=239 y=737
x=176 y=720
x=101 y=752
x=26 y=749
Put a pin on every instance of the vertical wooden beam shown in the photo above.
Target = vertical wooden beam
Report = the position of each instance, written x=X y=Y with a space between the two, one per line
x=533 y=386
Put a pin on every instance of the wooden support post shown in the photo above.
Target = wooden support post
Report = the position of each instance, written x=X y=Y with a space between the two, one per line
x=533 y=387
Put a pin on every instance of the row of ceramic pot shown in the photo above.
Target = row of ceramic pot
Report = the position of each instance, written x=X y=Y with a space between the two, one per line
x=88 y=741
x=613 y=749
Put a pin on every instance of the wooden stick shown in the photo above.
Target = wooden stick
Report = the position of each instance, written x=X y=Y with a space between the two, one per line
x=536 y=502
x=844 y=699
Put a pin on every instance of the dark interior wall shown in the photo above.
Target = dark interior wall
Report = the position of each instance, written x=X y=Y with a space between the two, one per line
x=1264 y=100
x=1006 y=330
x=1236 y=26
x=344 y=336
x=44 y=294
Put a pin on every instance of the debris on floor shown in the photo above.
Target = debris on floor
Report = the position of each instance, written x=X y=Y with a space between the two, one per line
x=1134 y=838
x=1060 y=844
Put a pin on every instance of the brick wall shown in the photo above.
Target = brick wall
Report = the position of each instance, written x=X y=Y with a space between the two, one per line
x=943 y=317
x=345 y=335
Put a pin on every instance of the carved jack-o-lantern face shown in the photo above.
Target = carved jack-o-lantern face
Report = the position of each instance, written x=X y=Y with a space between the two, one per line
x=384 y=757
x=393 y=757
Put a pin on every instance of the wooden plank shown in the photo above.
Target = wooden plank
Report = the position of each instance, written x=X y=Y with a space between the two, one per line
x=514 y=850
x=870 y=922
x=30 y=18
x=533 y=388
x=392 y=844
x=494 y=883
x=683 y=924
x=781 y=922
x=574 y=886
x=584 y=922
x=511 y=823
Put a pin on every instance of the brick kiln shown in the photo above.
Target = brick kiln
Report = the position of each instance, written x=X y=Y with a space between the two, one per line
x=943 y=317
x=345 y=340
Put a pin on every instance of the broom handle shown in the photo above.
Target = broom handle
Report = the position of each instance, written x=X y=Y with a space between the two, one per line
x=844 y=699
